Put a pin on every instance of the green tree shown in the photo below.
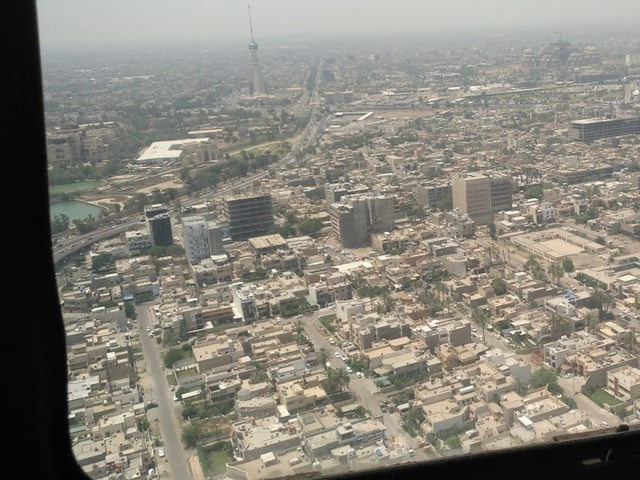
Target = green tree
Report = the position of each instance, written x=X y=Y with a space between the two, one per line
x=130 y=310
x=532 y=264
x=543 y=376
x=482 y=317
x=191 y=436
x=633 y=167
x=169 y=339
x=412 y=420
x=567 y=265
x=342 y=378
x=259 y=374
x=102 y=261
x=165 y=251
x=556 y=271
x=86 y=225
x=603 y=301
x=323 y=355
x=559 y=325
x=591 y=322
x=172 y=356
x=337 y=379
x=286 y=230
x=60 y=223
x=453 y=442
x=538 y=274
x=445 y=204
x=309 y=226
x=499 y=286
x=416 y=212
x=534 y=191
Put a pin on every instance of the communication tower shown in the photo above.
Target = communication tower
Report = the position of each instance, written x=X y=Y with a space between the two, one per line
x=257 y=82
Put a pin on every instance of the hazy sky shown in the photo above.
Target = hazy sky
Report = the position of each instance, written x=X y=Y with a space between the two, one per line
x=93 y=23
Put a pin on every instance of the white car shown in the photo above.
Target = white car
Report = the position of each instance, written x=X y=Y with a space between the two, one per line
x=349 y=369
x=359 y=374
x=161 y=453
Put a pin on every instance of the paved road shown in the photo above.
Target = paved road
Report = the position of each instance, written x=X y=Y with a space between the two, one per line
x=165 y=417
x=598 y=416
x=364 y=390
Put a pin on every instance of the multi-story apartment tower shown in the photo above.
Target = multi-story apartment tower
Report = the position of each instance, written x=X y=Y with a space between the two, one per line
x=355 y=218
x=249 y=216
x=196 y=238
x=432 y=193
x=202 y=238
x=480 y=196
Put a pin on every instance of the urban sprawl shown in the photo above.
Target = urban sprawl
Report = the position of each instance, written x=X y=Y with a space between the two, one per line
x=323 y=259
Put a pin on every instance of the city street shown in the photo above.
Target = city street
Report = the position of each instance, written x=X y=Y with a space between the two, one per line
x=594 y=413
x=365 y=391
x=166 y=416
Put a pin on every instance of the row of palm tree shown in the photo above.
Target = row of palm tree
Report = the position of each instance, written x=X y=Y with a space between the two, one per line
x=482 y=317
x=337 y=378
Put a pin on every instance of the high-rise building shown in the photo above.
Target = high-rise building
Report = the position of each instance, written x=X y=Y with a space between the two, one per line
x=216 y=237
x=160 y=230
x=480 y=196
x=159 y=225
x=155 y=209
x=355 y=218
x=257 y=80
x=249 y=216
x=432 y=193
x=335 y=191
x=202 y=238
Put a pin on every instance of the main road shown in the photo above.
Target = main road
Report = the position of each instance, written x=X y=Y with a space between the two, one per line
x=597 y=416
x=167 y=414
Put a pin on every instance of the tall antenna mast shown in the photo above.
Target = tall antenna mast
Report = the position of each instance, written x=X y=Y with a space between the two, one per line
x=250 y=23
x=257 y=82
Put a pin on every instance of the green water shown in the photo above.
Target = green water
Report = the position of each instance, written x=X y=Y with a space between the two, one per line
x=74 y=210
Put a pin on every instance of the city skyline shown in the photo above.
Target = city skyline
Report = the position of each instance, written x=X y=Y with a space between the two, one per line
x=68 y=25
